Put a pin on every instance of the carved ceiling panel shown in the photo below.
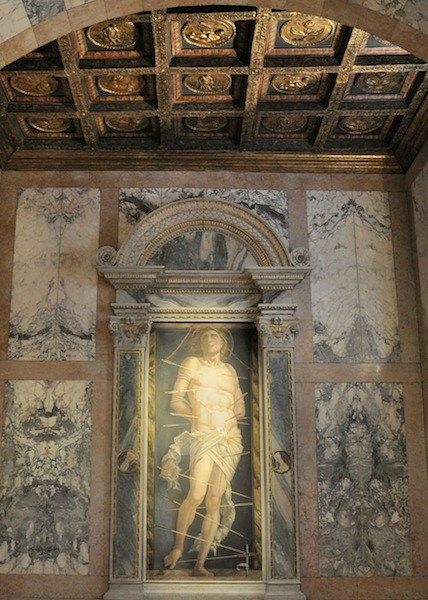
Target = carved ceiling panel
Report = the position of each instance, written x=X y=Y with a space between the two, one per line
x=236 y=79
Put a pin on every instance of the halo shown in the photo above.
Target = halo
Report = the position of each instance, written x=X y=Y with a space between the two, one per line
x=225 y=333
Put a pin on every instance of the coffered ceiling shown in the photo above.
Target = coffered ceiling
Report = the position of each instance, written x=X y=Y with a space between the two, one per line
x=213 y=83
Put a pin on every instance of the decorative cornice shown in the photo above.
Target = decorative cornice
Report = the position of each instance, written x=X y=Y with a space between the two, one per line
x=187 y=160
x=192 y=313
x=188 y=313
x=277 y=279
x=156 y=279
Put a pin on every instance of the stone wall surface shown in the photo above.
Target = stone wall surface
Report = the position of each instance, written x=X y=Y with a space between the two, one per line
x=419 y=192
x=45 y=481
x=358 y=386
x=54 y=289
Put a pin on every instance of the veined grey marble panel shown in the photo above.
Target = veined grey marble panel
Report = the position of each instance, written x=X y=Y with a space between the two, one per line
x=411 y=12
x=281 y=477
x=40 y=10
x=54 y=287
x=354 y=301
x=45 y=478
x=135 y=203
x=73 y=3
x=200 y=250
x=362 y=480
x=13 y=19
x=125 y=541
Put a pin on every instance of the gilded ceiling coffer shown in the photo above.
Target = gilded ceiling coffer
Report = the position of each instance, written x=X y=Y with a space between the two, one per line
x=246 y=88
x=204 y=441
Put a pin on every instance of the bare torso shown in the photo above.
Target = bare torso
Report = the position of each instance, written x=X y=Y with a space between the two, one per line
x=212 y=391
x=211 y=394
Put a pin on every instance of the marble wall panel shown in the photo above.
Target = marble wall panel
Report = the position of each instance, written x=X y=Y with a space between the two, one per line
x=362 y=480
x=75 y=3
x=40 y=10
x=200 y=250
x=45 y=477
x=354 y=300
x=411 y=12
x=54 y=288
x=415 y=14
x=13 y=19
x=134 y=203
x=281 y=477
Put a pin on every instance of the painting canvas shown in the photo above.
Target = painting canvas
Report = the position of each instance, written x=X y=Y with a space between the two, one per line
x=203 y=486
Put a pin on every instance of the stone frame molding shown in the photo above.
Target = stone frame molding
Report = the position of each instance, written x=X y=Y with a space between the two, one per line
x=145 y=296
x=176 y=218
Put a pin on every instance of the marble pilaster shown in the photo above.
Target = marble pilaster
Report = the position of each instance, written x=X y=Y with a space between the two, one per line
x=130 y=342
x=277 y=328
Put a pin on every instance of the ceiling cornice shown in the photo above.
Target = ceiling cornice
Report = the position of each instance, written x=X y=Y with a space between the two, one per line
x=186 y=160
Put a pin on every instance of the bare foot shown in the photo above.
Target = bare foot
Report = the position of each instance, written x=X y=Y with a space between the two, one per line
x=171 y=559
x=202 y=572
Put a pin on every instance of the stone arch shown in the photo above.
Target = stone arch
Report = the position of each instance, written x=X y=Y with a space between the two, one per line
x=400 y=31
x=203 y=214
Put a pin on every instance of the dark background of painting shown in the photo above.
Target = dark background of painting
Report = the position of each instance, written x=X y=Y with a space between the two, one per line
x=167 y=339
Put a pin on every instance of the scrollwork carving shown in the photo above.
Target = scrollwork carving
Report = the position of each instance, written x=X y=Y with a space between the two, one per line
x=106 y=256
x=281 y=462
x=300 y=257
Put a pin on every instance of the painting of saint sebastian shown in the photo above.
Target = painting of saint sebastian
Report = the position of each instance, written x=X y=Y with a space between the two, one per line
x=208 y=394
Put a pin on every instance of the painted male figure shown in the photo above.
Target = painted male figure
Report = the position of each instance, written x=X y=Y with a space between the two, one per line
x=208 y=394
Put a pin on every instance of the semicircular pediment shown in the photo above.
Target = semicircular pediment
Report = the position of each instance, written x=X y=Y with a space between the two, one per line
x=218 y=234
x=203 y=251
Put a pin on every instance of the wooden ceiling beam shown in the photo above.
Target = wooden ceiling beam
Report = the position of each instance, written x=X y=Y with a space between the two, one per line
x=163 y=79
x=70 y=58
x=354 y=44
x=257 y=56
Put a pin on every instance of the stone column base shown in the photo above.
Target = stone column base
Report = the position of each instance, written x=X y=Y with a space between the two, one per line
x=213 y=590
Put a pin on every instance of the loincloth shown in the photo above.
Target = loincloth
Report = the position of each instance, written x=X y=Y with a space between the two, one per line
x=225 y=449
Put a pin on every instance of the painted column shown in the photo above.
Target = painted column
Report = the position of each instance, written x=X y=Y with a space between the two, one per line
x=131 y=335
x=278 y=327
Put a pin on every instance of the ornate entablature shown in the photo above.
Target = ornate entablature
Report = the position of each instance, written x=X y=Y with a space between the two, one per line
x=273 y=270
x=158 y=300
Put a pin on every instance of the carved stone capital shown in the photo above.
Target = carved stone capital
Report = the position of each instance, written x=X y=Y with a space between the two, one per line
x=130 y=331
x=277 y=329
